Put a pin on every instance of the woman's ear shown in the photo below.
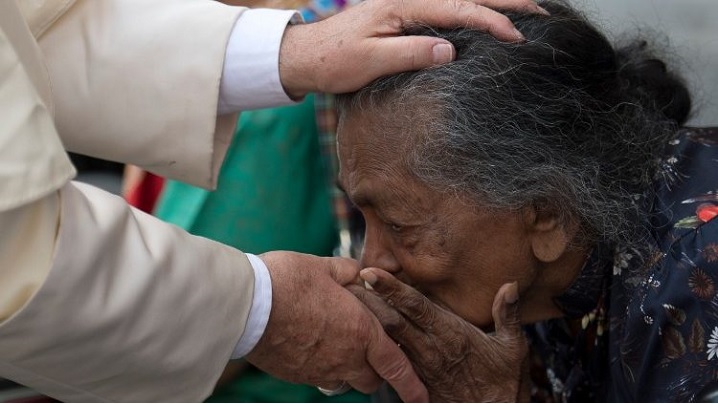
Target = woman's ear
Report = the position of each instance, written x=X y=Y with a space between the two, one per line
x=549 y=237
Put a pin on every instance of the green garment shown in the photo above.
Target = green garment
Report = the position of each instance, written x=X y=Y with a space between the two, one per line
x=272 y=191
x=272 y=195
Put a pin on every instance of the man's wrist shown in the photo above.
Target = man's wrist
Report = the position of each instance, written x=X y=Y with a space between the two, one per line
x=261 y=307
x=294 y=54
x=250 y=75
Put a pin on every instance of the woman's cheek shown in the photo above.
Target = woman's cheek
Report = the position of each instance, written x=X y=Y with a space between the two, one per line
x=426 y=270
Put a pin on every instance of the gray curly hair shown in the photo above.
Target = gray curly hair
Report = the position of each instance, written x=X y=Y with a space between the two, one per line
x=563 y=122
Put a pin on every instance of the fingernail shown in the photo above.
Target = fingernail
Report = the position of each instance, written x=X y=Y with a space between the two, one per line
x=519 y=36
x=443 y=53
x=542 y=10
x=512 y=294
x=368 y=277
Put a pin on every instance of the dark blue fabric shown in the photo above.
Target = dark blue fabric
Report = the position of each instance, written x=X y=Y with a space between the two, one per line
x=642 y=321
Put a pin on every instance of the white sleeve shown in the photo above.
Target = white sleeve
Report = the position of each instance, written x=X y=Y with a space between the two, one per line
x=250 y=79
x=259 y=313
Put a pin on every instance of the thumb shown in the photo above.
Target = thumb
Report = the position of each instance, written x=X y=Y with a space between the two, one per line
x=505 y=311
x=344 y=270
x=405 y=53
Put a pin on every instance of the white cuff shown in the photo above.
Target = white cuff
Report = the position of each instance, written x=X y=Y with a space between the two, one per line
x=259 y=313
x=250 y=77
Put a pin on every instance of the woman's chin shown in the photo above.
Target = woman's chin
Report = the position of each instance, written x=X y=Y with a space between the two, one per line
x=483 y=322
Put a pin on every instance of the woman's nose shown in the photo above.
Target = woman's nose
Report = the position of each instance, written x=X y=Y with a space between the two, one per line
x=376 y=253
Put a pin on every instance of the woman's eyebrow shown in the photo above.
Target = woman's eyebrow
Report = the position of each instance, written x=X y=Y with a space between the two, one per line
x=358 y=197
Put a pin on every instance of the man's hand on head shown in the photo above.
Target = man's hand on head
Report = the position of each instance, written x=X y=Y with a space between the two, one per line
x=349 y=50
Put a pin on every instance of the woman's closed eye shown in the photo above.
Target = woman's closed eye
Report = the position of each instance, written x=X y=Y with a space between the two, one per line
x=398 y=225
x=394 y=225
x=401 y=231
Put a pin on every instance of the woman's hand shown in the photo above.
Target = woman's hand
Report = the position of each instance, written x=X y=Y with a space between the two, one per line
x=457 y=361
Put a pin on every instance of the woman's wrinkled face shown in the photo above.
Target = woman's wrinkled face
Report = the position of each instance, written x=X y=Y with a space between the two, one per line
x=454 y=252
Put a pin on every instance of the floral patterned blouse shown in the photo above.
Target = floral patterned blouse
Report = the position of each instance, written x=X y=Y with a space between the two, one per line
x=642 y=321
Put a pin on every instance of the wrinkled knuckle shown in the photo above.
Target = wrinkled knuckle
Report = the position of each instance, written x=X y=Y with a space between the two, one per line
x=394 y=296
x=396 y=370
x=397 y=297
x=461 y=6
x=458 y=343
x=435 y=362
x=345 y=262
x=424 y=312
x=395 y=325
x=393 y=10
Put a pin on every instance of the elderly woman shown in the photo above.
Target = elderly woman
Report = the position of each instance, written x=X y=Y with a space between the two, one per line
x=552 y=170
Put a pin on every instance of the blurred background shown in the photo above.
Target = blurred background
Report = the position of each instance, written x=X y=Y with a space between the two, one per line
x=689 y=28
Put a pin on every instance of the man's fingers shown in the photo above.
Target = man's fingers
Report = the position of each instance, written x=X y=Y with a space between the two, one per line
x=344 y=270
x=392 y=365
x=527 y=6
x=385 y=356
x=460 y=13
x=411 y=52
x=505 y=311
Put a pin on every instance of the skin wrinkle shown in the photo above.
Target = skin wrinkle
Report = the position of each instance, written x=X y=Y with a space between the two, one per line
x=435 y=256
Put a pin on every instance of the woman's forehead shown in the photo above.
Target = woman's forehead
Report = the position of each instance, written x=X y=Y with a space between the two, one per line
x=381 y=130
